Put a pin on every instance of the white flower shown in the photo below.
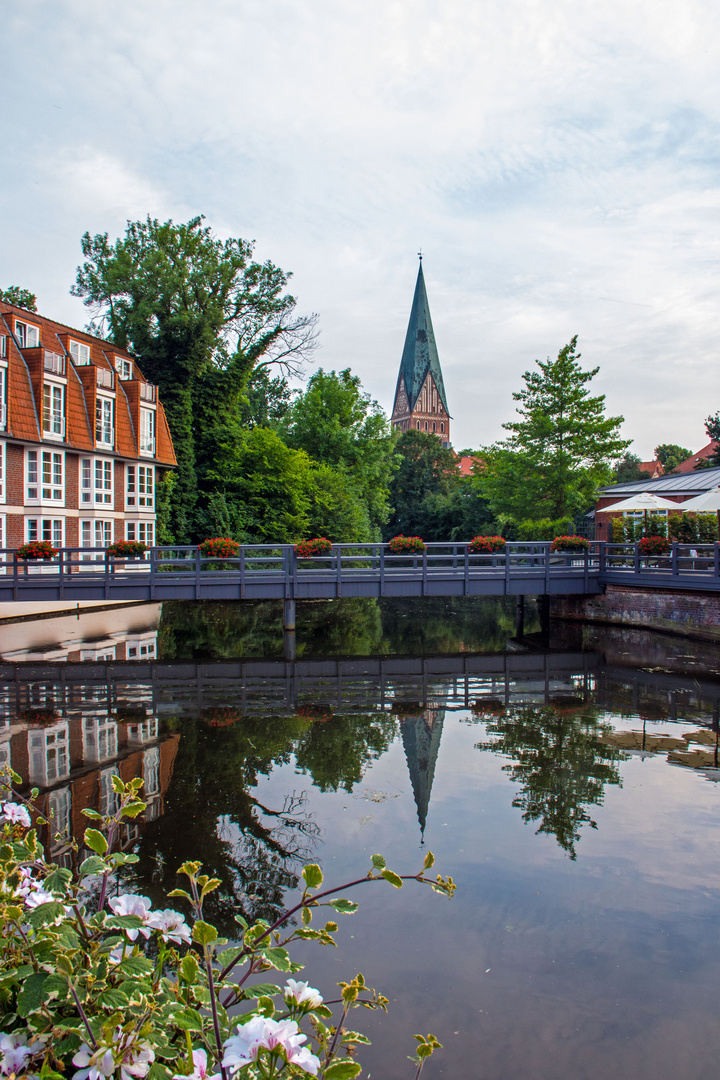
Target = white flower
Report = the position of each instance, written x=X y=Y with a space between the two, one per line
x=39 y=896
x=132 y=904
x=200 y=1071
x=281 y=1037
x=172 y=926
x=16 y=814
x=94 y=1064
x=126 y=1052
x=15 y=1051
x=300 y=993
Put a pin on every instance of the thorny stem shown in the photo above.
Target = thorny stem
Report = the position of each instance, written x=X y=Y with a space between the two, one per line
x=307 y=901
x=83 y=1017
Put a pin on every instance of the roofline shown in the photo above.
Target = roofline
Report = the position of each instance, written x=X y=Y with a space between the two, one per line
x=64 y=326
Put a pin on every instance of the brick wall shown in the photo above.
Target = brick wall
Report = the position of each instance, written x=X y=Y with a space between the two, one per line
x=676 y=611
x=15 y=475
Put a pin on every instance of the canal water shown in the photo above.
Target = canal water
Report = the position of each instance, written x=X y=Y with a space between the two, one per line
x=567 y=782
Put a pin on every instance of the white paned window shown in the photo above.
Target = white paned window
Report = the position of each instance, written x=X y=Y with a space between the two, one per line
x=80 y=353
x=85 y=481
x=96 y=533
x=52 y=476
x=51 y=529
x=104 y=435
x=3 y=395
x=144 y=531
x=151 y=771
x=4 y=754
x=139 y=650
x=109 y=799
x=59 y=806
x=3 y=531
x=48 y=753
x=28 y=335
x=3 y=467
x=103 y=481
x=53 y=410
x=99 y=738
x=147 y=431
x=3 y=346
x=32 y=493
x=140 y=487
x=123 y=367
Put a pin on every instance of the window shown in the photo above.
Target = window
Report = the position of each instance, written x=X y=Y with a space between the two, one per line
x=48 y=753
x=103 y=481
x=109 y=799
x=28 y=336
x=140 y=485
x=99 y=737
x=147 y=431
x=44 y=476
x=2 y=472
x=3 y=532
x=80 y=353
x=53 y=409
x=434 y=425
x=151 y=771
x=96 y=533
x=123 y=367
x=417 y=425
x=85 y=481
x=442 y=428
x=104 y=422
x=3 y=346
x=426 y=425
x=3 y=395
x=144 y=531
x=140 y=649
x=50 y=529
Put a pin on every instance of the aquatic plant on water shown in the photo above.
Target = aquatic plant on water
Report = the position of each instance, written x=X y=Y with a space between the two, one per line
x=96 y=985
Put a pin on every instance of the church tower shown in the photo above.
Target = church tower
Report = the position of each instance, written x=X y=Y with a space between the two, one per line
x=420 y=400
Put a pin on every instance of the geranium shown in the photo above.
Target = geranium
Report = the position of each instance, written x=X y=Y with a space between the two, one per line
x=200 y=1069
x=280 y=1037
x=220 y=547
x=16 y=1050
x=320 y=545
x=127 y=549
x=299 y=993
x=172 y=926
x=653 y=545
x=132 y=904
x=404 y=545
x=570 y=543
x=16 y=814
x=37 y=549
x=486 y=545
x=126 y=1051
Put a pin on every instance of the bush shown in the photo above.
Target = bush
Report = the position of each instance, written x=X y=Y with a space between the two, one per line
x=570 y=543
x=707 y=528
x=544 y=528
x=94 y=977
x=37 y=549
x=220 y=547
x=406 y=545
x=655 y=525
x=617 y=530
x=486 y=545
x=319 y=546
x=653 y=545
x=127 y=549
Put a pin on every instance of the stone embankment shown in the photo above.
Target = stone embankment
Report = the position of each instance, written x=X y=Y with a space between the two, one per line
x=692 y=614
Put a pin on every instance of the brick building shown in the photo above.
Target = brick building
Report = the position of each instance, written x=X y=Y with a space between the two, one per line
x=678 y=487
x=83 y=437
x=420 y=400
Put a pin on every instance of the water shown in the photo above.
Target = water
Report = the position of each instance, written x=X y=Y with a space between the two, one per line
x=571 y=793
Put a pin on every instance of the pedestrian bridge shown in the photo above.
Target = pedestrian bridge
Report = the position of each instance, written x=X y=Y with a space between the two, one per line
x=274 y=572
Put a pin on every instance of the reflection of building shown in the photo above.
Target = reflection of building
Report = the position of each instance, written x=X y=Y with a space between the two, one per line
x=128 y=632
x=421 y=740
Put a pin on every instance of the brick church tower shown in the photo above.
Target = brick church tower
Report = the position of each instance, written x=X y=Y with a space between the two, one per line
x=420 y=400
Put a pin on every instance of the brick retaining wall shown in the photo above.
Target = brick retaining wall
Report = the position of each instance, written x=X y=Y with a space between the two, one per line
x=689 y=613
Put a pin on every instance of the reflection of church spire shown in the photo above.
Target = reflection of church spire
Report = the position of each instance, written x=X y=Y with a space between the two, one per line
x=421 y=739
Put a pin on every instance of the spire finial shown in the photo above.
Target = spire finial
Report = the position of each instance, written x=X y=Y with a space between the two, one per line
x=420 y=254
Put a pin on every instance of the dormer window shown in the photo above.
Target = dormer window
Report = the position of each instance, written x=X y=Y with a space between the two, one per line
x=53 y=410
x=28 y=335
x=104 y=427
x=80 y=353
x=147 y=431
x=123 y=368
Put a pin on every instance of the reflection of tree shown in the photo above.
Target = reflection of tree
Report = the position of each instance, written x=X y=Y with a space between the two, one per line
x=451 y=624
x=561 y=764
x=211 y=815
x=337 y=753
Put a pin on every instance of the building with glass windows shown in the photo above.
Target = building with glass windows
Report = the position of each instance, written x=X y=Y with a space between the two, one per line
x=83 y=437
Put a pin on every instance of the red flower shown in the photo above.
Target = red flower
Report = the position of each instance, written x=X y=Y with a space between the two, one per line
x=570 y=543
x=486 y=545
x=319 y=546
x=220 y=547
x=37 y=549
x=406 y=545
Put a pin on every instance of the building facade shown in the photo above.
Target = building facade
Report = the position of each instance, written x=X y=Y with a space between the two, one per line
x=420 y=400
x=83 y=437
x=677 y=487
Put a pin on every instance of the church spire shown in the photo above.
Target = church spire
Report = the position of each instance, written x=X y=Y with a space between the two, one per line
x=420 y=400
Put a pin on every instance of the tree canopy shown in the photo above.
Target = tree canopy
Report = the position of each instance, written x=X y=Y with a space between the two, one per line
x=670 y=455
x=19 y=297
x=560 y=449
x=628 y=469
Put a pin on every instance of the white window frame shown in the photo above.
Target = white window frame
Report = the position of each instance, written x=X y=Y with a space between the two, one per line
x=104 y=432
x=102 y=476
x=42 y=466
x=142 y=531
x=100 y=737
x=27 y=334
x=3 y=531
x=140 y=487
x=49 y=753
x=80 y=353
x=45 y=528
x=3 y=473
x=95 y=533
x=146 y=443
x=53 y=419
x=3 y=395
x=124 y=368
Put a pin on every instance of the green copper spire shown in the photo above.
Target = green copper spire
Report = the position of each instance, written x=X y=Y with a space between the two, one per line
x=420 y=354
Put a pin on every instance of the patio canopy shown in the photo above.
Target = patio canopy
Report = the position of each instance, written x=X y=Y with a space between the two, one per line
x=708 y=502
x=646 y=502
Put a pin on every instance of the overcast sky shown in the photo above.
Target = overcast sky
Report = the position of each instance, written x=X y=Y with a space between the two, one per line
x=557 y=163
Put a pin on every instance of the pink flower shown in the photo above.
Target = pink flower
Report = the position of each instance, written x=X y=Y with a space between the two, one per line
x=299 y=993
x=125 y=1052
x=172 y=926
x=15 y=1051
x=280 y=1037
x=132 y=904
x=16 y=814
x=200 y=1070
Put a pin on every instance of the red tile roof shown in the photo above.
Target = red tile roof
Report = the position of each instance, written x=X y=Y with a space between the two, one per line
x=689 y=464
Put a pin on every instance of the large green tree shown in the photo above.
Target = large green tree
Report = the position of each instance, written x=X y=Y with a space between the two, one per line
x=201 y=316
x=560 y=448
x=628 y=468
x=670 y=455
x=19 y=297
x=340 y=427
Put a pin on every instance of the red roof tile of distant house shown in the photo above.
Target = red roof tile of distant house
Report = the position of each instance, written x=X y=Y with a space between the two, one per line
x=702 y=455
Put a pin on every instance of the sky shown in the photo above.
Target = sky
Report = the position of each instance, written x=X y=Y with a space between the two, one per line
x=556 y=163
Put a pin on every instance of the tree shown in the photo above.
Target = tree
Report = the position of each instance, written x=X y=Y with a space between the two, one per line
x=201 y=316
x=670 y=455
x=712 y=427
x=19 y=297
x=339 y=426
x=628 y=469
x=266 y=400
x=559 y=451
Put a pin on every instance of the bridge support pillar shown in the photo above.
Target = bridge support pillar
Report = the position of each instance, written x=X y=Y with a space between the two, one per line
x=289 y=646
x=544 y=612
x=520 y=616
x=288 y=615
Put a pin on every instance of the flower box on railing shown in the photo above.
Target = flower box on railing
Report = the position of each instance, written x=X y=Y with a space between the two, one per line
x=576 y=545
x=39 y=715
x=653 y=545
x=37 y=549
x=486 y=545
x=406 y=545
x=220 y=547
x=320 y=545
x=127 y=549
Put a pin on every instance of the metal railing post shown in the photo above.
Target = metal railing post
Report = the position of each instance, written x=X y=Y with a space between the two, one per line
x=636 y=562
x=338 y=570
x=467 y=568
x=674 y=558
x=601 y=557
x=424 y=569
x=507 y=569
x=716 y=560
x=382 y=569
x=547 y=568
x=198 y=568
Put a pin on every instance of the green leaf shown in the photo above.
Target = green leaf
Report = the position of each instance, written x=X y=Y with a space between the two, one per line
x=261 y=990
x=429 y=861
x=346 y=907
x=133 y=809
x=189 y=968
x=392 y=878
x=312 y=875
x=32 y=994
x=158 y=1072
x=95 y=840
x=266 y=1006
x=277 y=958
x=203 y=933
x=93 y=865
x=117 y=783
x=188 y=1019
x=124 y=922
x=58 y=880
x=122 y=858
x=378 y=862
x=343 y=1070
x=135 y=965
x=46 y=913
x=92 y=814
x=355 y=1037
x=113 y=999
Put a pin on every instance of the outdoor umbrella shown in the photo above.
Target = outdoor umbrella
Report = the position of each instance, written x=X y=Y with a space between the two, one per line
x=645 y=502
x=705 y=503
